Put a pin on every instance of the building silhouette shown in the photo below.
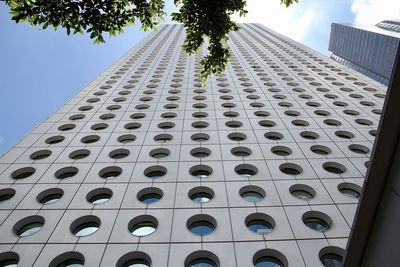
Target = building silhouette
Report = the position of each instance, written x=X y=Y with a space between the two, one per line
x=263 y=166
x=369 y=49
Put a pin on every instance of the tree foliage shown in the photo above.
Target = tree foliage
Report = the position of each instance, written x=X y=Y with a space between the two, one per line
x=203 y=19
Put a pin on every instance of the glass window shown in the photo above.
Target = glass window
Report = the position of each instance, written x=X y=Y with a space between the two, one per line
x=350 y=192
x=30 y=229
x=86 y=229
x=268 y=262
x=143 y=229
x=332 y=260
x=252 y=196
x=302 y=194
x=136 y=263
x=9 y=263
x=201 y=228
x=317 y=224
x=150 y=198
x=50 y=199
x=100 y=198
x=202 y=263
x=260 y=226
x=71 y=263
x=201 y=197
x=6 y=194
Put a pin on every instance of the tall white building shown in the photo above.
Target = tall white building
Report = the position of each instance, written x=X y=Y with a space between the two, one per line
x=144 y=167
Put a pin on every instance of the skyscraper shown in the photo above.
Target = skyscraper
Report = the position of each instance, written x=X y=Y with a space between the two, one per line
x=145 y=167
x=368 y=49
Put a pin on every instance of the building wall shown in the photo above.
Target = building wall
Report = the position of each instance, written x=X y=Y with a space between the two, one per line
x=369 y=52
x=283 y=99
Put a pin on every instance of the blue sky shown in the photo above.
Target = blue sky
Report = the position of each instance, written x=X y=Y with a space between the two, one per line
x=41 y=70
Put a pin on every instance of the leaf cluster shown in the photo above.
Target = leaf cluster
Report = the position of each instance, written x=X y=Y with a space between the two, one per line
x=95 y=17
x=206 y=21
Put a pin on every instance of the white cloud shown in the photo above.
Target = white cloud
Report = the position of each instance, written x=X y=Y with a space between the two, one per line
x=373 y=11
x=293 y=22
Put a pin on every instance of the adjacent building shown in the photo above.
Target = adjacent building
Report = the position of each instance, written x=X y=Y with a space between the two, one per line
x=263 y=166
x=369 y=49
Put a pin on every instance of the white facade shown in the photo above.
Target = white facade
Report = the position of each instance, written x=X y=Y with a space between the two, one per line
x=283 y=120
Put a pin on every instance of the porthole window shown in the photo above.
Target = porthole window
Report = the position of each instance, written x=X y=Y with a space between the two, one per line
x=344 y=134
x=252 y=193
x=66 y=127
x=302 y=191
x=246 y=170
x=201 y=224
x=90 y=139
x=132 y=125
x=202 y=258
x=331 y=256
x=6 y=194
x=143 y=225
x=309 y=135
x=159 y=153
x=107 y=116
x=359 y=149
x=155 y=172
x=150 y=195
x=200 y=137
x=79 y=154
x=236 y=136
x=29 y=226
x=281 y=150
x=373 y=132
x=301 y=123
x=334 y=167
x=85 y=226
x=168 y=115
x=269 y=258
x=166 y=125
x=292 y=113
x=291 y=168
x=119 y=153
x=201 y=194
x=66 y=172
x=261 y=113
x=163 y=138
x=322 y=113
x=364 y=122
x=50 y=196
x=350 y=190
x=41 y=154
x=9 y=259
x=320 y=149
x=23 y=173
x=200 y=152
x=200 y=114
x=54 y=139
x=201 y=171
x=332 y=122
x=134 y=259
x=126 y=138
x=68 y=259
x=317 y=221
x=231 y=114
x=260 y=223
x=99 y=195
x=267 y=123
x=241 y=151
x=110 y=172
x=274 y=136
x=136 y=116
x=233 y=124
